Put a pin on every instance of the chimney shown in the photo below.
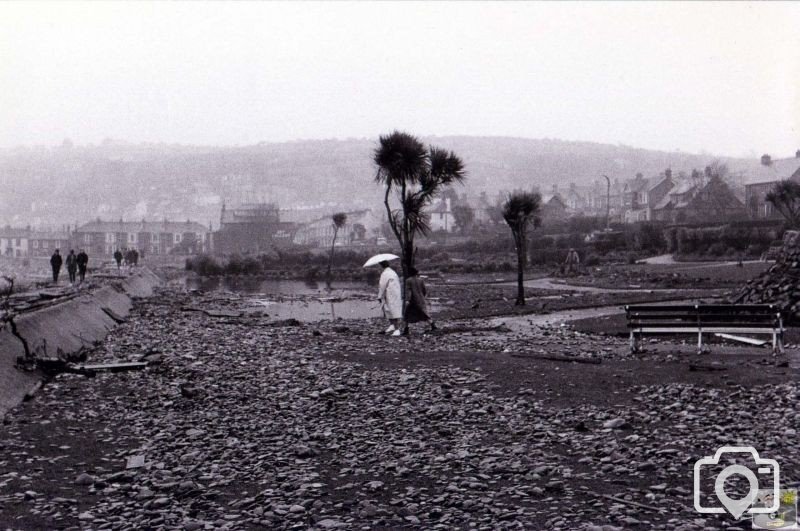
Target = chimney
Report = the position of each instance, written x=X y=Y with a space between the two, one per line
x=766 y=160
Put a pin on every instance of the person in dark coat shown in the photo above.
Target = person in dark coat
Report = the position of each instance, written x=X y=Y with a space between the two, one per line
x=55 y=263
x=118 y=259
x=72 y=265
x=416 y=304
x=83 y=261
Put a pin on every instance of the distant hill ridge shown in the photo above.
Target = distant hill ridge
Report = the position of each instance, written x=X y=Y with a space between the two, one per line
x=116 y=179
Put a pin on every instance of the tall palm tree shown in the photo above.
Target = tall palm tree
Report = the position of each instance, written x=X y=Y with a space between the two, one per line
x=785 y=197
x=416 y=175
x=339 y=219
x=521 y=210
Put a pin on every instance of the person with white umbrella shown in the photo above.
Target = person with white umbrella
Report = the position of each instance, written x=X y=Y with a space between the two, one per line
x=390 y=293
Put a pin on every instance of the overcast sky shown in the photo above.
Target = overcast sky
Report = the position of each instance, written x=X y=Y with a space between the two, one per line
x=716 y=77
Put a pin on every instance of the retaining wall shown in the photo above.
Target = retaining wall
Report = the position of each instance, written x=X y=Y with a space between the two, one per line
x=65 y=328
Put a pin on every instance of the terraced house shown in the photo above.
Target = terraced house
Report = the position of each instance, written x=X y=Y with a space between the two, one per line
x=153 y=237
x=764 y=178
x=25 y=242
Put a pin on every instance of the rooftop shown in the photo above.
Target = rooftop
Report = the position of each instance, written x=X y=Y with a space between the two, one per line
x=142 y=226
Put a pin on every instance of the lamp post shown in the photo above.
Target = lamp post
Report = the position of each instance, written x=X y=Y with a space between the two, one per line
x=608 y=200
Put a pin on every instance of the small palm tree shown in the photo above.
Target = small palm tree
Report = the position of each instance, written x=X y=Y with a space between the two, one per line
x=521 y=210
x=785 y=197
x=339 y=219
x=417 y=175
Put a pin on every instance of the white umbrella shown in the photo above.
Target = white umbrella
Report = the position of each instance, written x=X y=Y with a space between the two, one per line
x=378 y=258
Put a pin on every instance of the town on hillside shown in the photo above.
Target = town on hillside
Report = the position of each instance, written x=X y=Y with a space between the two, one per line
x=712 y=196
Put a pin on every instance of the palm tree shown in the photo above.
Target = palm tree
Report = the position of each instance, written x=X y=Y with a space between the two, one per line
x=785 y=197
x=339 y=219
x=520 y=210
x=416 y=175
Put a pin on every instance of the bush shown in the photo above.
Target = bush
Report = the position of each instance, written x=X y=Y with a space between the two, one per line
x=717 y=249
x=592 y=260
x=204 y=265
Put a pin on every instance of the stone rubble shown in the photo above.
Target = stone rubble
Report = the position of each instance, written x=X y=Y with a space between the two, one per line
x=275 y=433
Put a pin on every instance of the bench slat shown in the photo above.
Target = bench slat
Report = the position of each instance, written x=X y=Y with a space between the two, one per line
x=710 y=330
x=699 y=319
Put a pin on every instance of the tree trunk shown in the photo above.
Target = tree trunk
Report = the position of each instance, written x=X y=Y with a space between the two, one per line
x=333 y=245
x=407 y=248
x=520 y=271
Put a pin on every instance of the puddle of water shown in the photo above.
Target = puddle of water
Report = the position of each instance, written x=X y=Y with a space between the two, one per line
x=305 y=301
x=269 y=287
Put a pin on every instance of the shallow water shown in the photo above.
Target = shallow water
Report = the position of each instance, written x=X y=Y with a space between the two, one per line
x=256 y=286
x=305 y=301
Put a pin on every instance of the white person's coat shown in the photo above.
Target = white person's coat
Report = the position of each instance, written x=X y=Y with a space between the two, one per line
x=390 y=295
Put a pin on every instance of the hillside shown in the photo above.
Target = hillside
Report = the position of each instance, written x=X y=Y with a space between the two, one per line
x=69 y=184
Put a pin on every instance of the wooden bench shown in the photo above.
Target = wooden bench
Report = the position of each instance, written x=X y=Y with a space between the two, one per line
x=762 y=319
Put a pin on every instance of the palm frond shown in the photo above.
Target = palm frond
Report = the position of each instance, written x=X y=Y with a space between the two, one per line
x=445 y=166
x=400 y=157
x=522 y=208
x=419 y=222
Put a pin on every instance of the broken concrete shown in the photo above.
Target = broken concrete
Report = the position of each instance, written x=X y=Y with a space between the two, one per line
x=63 y=329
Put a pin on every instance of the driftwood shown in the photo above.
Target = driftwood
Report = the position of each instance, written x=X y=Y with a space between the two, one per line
x=555 y=357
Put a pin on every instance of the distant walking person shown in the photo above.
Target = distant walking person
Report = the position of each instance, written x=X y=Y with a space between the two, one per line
x=417 y=305
x=72 y=265
x=55 y=263
x=118 y=259
x=135 y=257
x=391 y=298
x=83 y=261
x=572 y=262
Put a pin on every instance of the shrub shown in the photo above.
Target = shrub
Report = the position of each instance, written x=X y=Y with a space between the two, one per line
x=592 y=260
x=204 y=265
x=717 y=249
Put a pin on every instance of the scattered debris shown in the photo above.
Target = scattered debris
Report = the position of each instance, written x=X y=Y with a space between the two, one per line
x=554 y=357
x=135 y=461
x=746 y=340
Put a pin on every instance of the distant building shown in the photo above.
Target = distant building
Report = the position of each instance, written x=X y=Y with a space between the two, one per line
x=360 y=228
x=20 y=243
x=641 y=196
x=252 y=228
x=554 y=209
x=441 y=216
x=600 y=194
x=14 y=242
x=153 y=237
x=711 y=202
x=764 y=178
x=43 y=243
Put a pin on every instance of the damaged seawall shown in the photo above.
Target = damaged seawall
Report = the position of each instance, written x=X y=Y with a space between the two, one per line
x=64 y=329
